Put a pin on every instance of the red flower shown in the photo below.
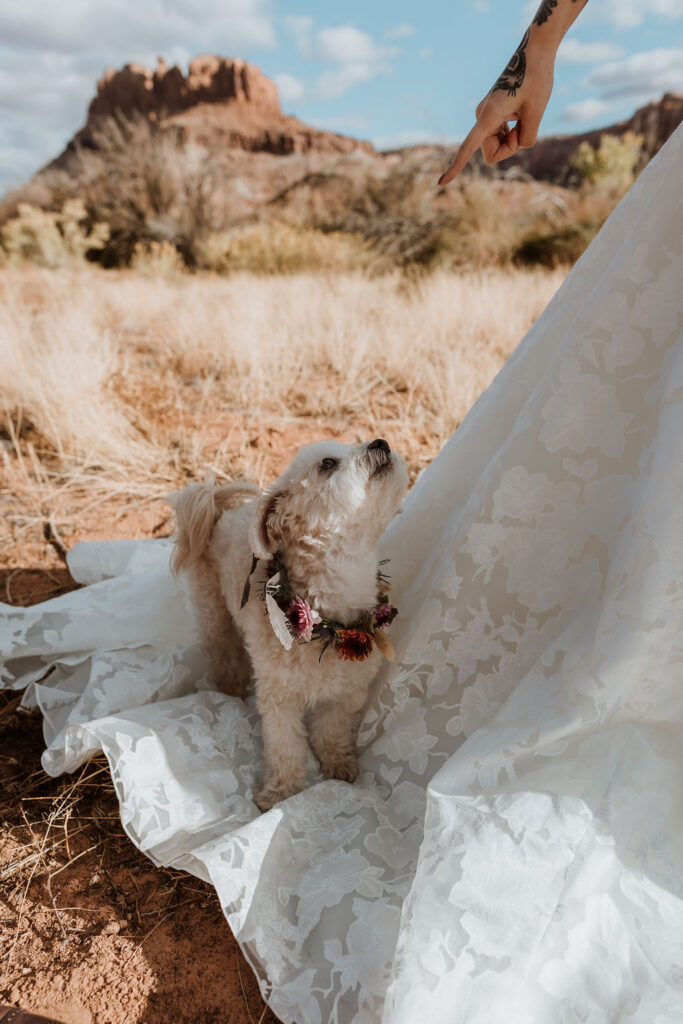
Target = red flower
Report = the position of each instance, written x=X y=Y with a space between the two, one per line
x=353 y=644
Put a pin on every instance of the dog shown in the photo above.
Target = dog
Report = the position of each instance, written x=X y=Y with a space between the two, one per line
x=290 y=595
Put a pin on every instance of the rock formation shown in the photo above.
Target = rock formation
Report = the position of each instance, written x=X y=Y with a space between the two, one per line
x=220 y=101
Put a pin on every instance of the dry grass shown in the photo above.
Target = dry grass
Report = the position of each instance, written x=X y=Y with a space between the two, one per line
x=118 y=387
x=89 y=356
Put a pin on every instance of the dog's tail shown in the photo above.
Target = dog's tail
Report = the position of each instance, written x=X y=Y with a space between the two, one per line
x=198 y=507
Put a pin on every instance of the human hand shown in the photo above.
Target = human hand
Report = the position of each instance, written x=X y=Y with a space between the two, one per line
x=509 y=116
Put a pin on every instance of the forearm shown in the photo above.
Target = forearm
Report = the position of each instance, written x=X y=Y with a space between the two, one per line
x=539 y=43
x=551 y=21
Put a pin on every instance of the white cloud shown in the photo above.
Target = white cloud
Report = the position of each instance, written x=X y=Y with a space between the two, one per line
x=425 y=52
x=339 y=80
x=585 y=111
x=631 y=13
x=400 y=32
x=346 y=44
x=354 y=56
x=124 y=26
x=51 y=56
x=573 y=51
x=481 y=6
x=291 y=89
x=300 y=27
x=640 y=77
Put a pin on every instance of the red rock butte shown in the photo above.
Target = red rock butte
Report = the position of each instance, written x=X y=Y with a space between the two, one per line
x=219 y=102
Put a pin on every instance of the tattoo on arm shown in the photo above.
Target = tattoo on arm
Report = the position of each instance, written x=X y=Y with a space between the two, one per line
x=512 y=77
x=546 y=9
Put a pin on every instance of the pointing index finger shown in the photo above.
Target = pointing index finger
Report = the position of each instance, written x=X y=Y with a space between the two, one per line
x=468 y=148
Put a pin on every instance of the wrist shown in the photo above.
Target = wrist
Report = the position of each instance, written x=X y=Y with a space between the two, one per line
x=543 y=45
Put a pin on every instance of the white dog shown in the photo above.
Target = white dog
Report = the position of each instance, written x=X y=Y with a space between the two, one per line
x=291 y=575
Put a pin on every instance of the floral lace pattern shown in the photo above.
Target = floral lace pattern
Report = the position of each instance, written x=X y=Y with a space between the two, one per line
x=512 y=849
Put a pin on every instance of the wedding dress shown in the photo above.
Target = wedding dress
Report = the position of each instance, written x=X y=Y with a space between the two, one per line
x=513 y=849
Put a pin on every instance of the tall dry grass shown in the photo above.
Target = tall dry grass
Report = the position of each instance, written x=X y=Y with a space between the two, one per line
x=117 y=383
x=82 y=352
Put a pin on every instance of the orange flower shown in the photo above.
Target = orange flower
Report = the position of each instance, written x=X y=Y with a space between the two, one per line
x=353 y=644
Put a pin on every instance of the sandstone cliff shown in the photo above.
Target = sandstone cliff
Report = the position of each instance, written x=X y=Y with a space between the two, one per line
x=221 y=102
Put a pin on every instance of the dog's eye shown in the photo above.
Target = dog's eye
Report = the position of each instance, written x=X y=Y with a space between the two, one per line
x=327 y=464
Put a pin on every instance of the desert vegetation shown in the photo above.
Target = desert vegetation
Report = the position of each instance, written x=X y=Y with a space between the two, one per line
x=144 y=196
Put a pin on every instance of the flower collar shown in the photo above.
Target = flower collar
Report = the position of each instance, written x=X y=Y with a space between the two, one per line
x=293 y=619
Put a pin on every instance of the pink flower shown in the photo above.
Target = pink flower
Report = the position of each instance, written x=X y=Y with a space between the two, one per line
x=303 y=618
x=384 y=614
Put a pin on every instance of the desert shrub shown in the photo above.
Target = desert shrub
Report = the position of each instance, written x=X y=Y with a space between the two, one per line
x=409 y=226
x=553 y=247
x=157 y=259
x=280 y=248
x=395 y=215
x=149 y=186
x=52 y=238
x=612 y=165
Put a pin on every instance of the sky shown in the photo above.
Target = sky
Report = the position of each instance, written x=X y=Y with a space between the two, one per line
x=396 y=72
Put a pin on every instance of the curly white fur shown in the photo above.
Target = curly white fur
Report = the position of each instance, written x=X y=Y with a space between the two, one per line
x=325 y=516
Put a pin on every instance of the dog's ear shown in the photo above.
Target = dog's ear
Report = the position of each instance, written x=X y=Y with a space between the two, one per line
x=264 y=533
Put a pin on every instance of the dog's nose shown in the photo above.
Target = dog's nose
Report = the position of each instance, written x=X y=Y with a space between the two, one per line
x=381 y=444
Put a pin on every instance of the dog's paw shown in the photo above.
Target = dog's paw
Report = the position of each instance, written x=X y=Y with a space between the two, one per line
x=267 y=795
x=344 y=768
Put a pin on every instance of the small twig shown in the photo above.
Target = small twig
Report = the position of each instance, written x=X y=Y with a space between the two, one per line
x=66 y=829
x=244 y=994
x=8 y=581
x=49 y=883
x=11 y=705
x=21 y=909
x=150 y=932
x=31 y=857
x=161 y=525
x=51 y=535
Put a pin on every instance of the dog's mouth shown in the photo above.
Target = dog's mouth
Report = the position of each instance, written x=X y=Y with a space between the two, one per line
x=378 y=454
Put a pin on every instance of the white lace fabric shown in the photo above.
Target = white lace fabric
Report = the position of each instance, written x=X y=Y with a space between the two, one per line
x=513 y=849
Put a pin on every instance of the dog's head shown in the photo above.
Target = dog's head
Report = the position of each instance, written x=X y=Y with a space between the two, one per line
x=331 y=490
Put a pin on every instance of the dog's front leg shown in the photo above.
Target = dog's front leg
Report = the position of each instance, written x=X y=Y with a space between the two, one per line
x=333 y=735
x=285 y=749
